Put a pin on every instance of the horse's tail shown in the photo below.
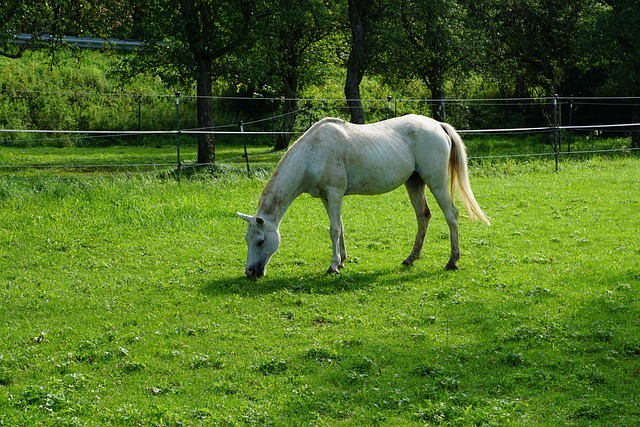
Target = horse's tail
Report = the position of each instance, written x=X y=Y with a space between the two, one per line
x=459 y=176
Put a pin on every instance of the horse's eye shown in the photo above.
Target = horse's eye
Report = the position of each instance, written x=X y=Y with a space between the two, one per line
x=260 y=242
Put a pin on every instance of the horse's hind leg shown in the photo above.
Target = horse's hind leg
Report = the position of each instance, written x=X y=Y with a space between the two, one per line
x=415 y=187
x=445 y=202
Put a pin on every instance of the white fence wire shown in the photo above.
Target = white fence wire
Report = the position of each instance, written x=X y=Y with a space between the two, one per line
x=555 y=129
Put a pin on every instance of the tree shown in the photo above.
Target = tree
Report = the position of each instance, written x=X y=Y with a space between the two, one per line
x=202 y=20
x=532 y=44
x=295 y=27
x=617 y=29
x=292 y=49
x=361 y=20
x=435 y=44
x=185 y=39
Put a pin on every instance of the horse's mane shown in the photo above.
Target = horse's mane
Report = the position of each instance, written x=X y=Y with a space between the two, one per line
x=269 y=185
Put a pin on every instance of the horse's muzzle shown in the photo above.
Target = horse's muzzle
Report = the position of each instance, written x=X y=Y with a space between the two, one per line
x=255 y=271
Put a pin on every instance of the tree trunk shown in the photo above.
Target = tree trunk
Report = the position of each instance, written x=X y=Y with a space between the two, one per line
x=206 y=142
x=290 y=111
x=352 y=92
x=356 y=65
x=438 y=96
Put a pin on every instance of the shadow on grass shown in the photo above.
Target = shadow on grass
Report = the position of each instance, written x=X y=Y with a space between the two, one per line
x=321 y=283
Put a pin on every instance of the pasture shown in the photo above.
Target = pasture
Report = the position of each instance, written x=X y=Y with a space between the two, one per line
x=123 y=301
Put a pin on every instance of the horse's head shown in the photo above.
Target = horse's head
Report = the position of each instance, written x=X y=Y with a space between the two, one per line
x=263 y=240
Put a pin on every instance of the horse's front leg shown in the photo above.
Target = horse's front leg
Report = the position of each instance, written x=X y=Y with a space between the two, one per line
x=333 y=206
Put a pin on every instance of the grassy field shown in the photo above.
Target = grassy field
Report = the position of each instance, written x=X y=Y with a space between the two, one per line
x=74 y=160
x=123 y=302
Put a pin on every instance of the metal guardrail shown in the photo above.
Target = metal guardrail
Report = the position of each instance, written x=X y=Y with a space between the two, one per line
x=81 y=42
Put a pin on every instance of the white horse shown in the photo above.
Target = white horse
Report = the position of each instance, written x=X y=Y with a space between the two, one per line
x=335 y=158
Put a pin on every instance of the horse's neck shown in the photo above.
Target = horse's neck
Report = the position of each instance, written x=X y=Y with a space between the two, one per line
x=281 y=190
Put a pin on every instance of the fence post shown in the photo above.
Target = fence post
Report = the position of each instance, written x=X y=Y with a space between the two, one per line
x=570 y=124
x=556 y=143
x=139 y=117
x=178 y=129
x=389 y=98
x=244 y=144
x=311 y=115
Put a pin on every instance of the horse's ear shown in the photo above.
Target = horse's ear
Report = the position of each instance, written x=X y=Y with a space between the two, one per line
x=259 y=220
x=247 y=218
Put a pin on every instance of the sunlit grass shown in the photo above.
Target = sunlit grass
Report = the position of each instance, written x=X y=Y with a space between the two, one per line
x=123 y=302
x=118 y=159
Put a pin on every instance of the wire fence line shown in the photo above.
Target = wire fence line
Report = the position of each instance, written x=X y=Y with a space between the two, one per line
x=276 y=154
x=506 y=131
x=171 y=96
x=145 y=110
x=558 y=112
x=272 y=156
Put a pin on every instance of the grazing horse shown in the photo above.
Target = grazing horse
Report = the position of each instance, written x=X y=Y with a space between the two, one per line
x=335 y=158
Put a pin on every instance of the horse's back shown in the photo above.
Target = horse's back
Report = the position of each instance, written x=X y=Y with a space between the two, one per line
x=411 y=130
x=366 y=159
x=413 y=141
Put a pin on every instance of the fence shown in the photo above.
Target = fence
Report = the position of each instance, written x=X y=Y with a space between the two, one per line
x=162 y=119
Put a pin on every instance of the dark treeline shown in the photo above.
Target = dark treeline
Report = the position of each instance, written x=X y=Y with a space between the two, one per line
x=278 y=48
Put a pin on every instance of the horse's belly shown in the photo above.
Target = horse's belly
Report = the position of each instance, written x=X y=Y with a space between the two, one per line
x=377 y=177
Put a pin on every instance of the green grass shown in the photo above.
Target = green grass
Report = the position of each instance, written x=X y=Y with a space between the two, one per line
x=82 y=160
x=123 y=302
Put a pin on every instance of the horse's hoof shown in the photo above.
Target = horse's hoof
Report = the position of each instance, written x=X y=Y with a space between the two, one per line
x=332 y=270
x=407 y=261
x=450 y=266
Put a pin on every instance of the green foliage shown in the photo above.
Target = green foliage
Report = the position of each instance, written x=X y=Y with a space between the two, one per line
x=124 y=303
x=504 y=48
x=617 y=50
x=79 y=92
